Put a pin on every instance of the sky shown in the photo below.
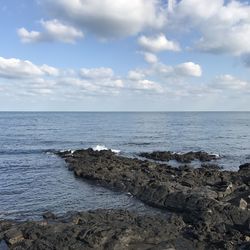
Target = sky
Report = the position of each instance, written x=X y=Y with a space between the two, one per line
x=120 y=55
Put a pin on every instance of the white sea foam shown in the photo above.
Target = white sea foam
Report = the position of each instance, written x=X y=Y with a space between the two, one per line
x=67 y=150
x=102 y=147
x=216 y=155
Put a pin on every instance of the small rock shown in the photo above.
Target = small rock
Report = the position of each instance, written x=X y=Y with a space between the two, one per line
x=244 y=167
x=13 y=236
x=49 y=216
x=243 y=204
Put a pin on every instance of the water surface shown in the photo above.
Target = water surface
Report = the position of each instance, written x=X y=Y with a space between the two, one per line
x=33 y=181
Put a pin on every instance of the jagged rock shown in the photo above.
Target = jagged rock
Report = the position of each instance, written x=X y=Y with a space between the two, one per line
x=205 y=197
x=102 y=229
x=243 y=204
x=245 y=167
x=183 y=158
x=210 y=208
x=13 y=236
x=49 y=216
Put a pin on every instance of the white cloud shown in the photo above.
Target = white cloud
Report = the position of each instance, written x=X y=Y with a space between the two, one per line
x=224 y=25
x=49 y=70
x=188 y=69
x=147 y=85
x=16 y=68
x=97 y=73
x=171 y=5
x=29 y=36
x=195 y=10
x=150 y=58
x=175 y=81
x=157 y=43
x=233 y=40
x=42 y=91
x=136 y=75
x=162 y=78
x=53 y=30
x=229 y=82
x=108 y=18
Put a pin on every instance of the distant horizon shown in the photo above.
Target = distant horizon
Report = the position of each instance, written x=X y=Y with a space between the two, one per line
x=125 y=111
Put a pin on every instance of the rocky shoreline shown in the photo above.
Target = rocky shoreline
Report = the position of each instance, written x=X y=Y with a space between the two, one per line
x=181 y=158
x=210 y=208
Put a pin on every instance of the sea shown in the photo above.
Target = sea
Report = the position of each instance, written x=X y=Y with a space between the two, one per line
x=34 y=180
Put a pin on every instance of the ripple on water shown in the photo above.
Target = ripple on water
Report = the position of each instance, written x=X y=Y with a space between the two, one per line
x=32 y=181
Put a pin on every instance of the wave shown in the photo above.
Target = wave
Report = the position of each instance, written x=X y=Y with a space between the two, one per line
x=217 y=156
x=102 y=147
x=20 y=152
x=138 y=143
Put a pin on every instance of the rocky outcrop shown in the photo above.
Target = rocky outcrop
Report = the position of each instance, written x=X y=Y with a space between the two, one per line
x=99 y=229
x=215 y=203
x=111 y=230
x=182 y=158
x=209 y=207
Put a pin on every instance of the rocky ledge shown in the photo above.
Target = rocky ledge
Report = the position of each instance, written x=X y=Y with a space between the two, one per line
x=182 y=158
x=99 y=229
x=214 y=203
x=210 y=209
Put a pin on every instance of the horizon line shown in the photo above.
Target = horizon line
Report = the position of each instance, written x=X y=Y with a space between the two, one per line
x=124 y=111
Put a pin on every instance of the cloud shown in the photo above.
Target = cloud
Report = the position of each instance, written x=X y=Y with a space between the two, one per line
x=165 y=79
x=230 y=82
x=93 y=86
x=157 y=43
x=147 y=85
x=97 y=73
x=53 y=30
x=136 y=75
x=108 y=18
x=224 y=26
x=29 y=36
x=160 y=79
x=224 y=40
x=16 y=68
x=150 y=58
x=46 y=80
x=188 y=69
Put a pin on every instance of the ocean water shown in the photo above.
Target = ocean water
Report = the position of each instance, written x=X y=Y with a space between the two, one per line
x=34 y=180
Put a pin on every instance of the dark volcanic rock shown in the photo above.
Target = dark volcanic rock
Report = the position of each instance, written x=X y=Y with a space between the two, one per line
x=101 y=229
x=210 y=209
x=214 y=203
x=49 y=216
x=183 y=158
x=117 y=230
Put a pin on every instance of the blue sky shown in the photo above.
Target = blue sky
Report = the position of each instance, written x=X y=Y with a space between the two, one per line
x=140 y=55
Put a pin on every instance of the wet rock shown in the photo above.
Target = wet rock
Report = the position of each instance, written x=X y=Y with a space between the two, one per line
x=204 y=197
x=102 y=229
x=13 y=236
x=243 y=204
x=245 y=167
x=183 y=158
x=211 y=166
x=49 y=216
